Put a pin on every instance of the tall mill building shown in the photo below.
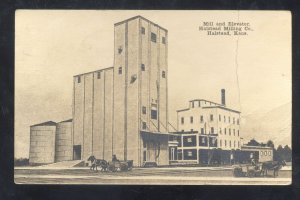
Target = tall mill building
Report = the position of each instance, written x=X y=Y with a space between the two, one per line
x=123 y=110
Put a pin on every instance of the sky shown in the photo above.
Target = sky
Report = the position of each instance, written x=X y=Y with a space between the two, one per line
x=53 y=46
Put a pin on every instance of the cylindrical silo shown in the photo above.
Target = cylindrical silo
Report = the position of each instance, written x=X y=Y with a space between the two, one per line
x=63 y=141
x=42 y=143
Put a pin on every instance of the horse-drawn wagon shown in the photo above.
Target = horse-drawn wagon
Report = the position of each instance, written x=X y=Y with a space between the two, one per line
x=248 y=170
x=114 y=166
x=258 y=169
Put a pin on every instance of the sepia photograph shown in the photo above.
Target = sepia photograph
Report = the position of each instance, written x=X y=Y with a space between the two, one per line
x=153 y=97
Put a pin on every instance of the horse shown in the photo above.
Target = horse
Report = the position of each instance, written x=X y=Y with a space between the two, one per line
x=98 y=162
x=272 y=165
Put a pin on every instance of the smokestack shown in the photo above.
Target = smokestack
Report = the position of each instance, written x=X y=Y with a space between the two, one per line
x=223 y=97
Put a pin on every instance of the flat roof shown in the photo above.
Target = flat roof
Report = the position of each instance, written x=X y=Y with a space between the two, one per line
x=139 y=16
x=255 y=147
x=224 y=108
x=99 y=70
x=158 y=133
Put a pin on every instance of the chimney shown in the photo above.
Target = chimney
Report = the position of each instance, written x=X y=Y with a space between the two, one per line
x=223 y=97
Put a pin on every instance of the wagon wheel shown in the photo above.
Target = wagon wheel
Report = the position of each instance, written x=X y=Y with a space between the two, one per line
x=237 y=172
x=112 y=168
x=251 y=173
x=123 y=167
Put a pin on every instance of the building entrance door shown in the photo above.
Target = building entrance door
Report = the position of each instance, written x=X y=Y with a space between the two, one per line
x=172 y=153
x=77 y=152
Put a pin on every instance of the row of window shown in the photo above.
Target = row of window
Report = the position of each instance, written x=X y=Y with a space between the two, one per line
x=265 y=153
x=120 y=71
x=213 y=142
x=211 y=119
x=229 y=131
x=230 y=144
x=153 y=112
x=163 y=73
x=212 y=131
x=153 y=36
x=79 y=77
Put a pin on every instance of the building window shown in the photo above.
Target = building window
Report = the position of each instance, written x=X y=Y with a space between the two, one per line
x=212 y=130
x=220 y=131
x=203 y=140
x=78 y=79
x=153 y=37
x=144 y=126
x=228 y=119
x=238 y=144
x=182 y=120
x=214 y=141
x=238 y=133
x=163 y=40
x=225 y=143
x=120 y=49
x=219 y=118
x=163 y=74
x=229 y=131
x=238 y=122
x=153 y=114
x=201 y=119
x=189 y=139
x=189 y=153
x=211 y=117
x=199 y=103
x=182 y=130
x=120 y=70
x=261 y=153
x=234 y=132
x=230 y=144
x=269 y=153
x=144 y=110
x=192 y=130
x=98 y=75
x=234 y=144
x=224 y=119
x=202 y=130
x=142 y=67
x=143 y=30
x=225 y=131
x=220 y=143
x=265 y=153
x=191 y=119
x=233 y=120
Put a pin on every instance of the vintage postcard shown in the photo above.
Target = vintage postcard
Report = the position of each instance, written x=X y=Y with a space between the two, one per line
x=153 y=97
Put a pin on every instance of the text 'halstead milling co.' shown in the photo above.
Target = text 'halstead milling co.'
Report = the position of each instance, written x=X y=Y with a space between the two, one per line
x=226 y=28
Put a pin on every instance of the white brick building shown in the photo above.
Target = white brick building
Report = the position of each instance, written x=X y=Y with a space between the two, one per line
x=207 y=125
